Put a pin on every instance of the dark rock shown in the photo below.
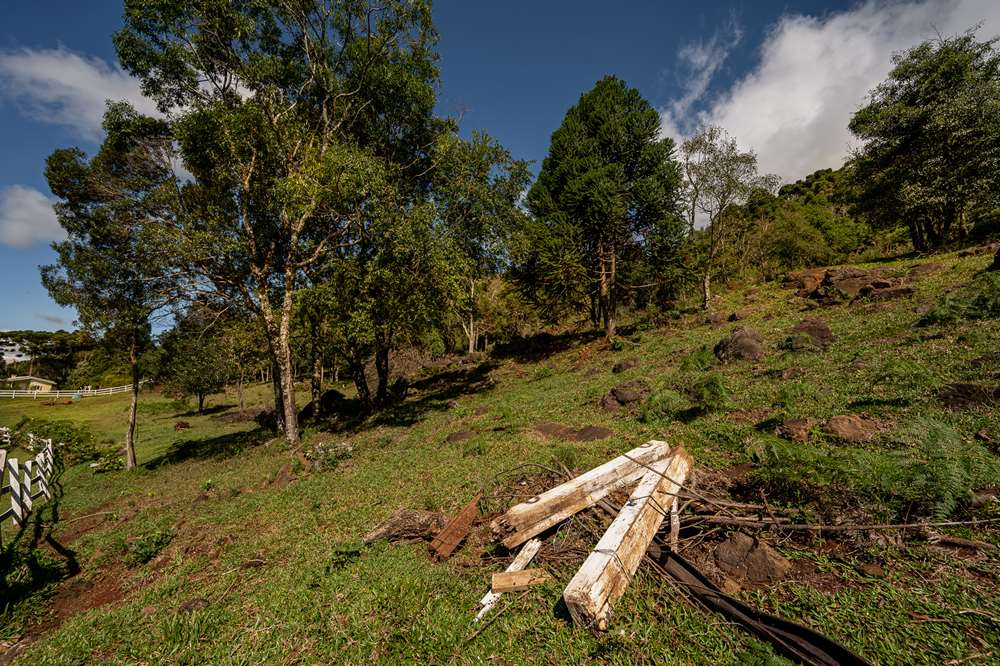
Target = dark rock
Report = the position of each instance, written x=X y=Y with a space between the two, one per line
x=181 y=426
x=194 y=604
x=715 y=319
x=811 y=333
x=482 y=410
x=791 y=372
x=852 y=428
x=797 y=429
x=741 y=344
x=925 y=268
x=747 y=558
x=805 y=281
x=408 y=526
x=624 y=365
x=458 y=436
x=873 y=293
x=741 y=314
x=625 y=394
x=585 y=434
x=962 y=395
x=991 y=359
x=872 y=569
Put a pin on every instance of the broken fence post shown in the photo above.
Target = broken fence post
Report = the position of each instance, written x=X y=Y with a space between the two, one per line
x=611 y=565
x=14 y=475
x=445 y=543
x=540 y=513
x=524 y=556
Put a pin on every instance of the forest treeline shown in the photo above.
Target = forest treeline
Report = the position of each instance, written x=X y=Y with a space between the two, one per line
x=299 y=208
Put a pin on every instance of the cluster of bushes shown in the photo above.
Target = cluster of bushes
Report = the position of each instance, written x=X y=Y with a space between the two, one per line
x=979 y=300
x=704 y=391
x=74 y=442
x=930 y=474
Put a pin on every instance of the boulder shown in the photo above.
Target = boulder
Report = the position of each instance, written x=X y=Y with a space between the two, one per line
x=805 y=281
x=852 y=428
x=715 y=319
x=887 y=293
x=746 y=558
x=624 y=365
x=626 y=394
x=812 y=332
x=740 y=314
x=796 y=429
x=741 y=344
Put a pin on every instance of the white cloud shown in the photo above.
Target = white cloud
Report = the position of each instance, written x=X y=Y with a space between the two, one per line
x=814 y=73
x=67 y=88
x=26 y=216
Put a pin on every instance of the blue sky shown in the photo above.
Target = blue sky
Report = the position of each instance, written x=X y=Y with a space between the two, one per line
x=782 y=76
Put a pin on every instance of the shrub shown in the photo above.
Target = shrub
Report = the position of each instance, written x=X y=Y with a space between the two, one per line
x=979 y=300
x=328 y=455
x=930 y=475
x=543 y=372
x=73 y=443
x=145 y=547
x=710 y=393
x=663 y=405
x=699 y=360
x=791 y=396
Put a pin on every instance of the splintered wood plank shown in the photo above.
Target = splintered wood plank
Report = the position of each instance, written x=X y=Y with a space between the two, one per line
x=540 y=513
x=510 y=582
x=611 y=565
x=524 y=556
x=445 y=543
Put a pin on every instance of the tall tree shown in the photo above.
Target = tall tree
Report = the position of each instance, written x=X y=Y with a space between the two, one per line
x=111 y=266
x=286 y=114
x=720 y=177
x=477 y=188
x=609 y=183
x=930 y=156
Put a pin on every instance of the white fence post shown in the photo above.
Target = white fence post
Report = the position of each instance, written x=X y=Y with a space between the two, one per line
x=17 y=512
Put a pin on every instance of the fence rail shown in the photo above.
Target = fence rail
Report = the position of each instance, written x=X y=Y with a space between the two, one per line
x=65 y=393
x=22 y=478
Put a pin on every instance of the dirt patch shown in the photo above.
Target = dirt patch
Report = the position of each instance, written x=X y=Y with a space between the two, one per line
x=746 y=558
x=458 y=436
x=852 y=428
x=810 y=333
x=623 y=366
x=751 y=416
x=992 y=359
x=555 y=430
x=963 y=395
x=797 y=429
x=625 y=395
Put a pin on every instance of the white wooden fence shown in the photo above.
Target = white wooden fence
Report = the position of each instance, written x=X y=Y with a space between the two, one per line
x=66 y=393
x=22 y=479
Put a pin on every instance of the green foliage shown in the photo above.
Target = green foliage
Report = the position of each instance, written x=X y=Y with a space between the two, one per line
x=709 y=393
x=72 y=442
x=145 y=547
x=931 y=475
x=543 y=372
x=606 y=198
x=793 y=396
x=328 y=455
x=566 y=455
x=701 y=359
x=664 y=405
x=931 y=140
x=979 y=300
x=904 y=374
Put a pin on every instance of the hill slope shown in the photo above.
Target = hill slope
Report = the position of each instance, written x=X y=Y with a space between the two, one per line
x=223 y=549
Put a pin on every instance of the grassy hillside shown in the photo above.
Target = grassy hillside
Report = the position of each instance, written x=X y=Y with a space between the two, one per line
x=222 y=548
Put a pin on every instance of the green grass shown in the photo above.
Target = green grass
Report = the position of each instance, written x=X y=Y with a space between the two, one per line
x=275 y=550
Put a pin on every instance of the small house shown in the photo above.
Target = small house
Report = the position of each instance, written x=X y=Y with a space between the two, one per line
x=29 y=383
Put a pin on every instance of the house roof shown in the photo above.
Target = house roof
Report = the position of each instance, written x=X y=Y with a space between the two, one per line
x=16 y=378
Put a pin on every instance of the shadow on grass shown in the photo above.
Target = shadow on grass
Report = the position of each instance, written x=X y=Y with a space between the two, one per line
x=26 y=569
x=543 y=345
x=214 y=410
x=221 y=446
x=873 y=402
x=436 y=392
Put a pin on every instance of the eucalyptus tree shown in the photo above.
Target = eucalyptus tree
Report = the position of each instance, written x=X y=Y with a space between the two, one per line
x=609 y=184
x=720 y=177
x=113 y=266
x=477 y=189
x=290 y=115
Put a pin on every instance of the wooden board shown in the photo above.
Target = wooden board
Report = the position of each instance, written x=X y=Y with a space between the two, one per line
x=520 y=580
x=530 y=518
x=445 y=543
x=611 y=565
x=524 y=556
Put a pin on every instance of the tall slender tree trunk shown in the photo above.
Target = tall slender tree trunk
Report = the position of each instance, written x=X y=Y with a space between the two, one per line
x=239 y=390
x=706 y=289
x=606 y=262
x=133 y=358
x=382 y=372
x=316 y=383
x=357 y=368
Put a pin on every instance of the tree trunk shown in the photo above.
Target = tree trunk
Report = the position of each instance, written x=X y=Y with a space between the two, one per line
x=357 y=368
x=316 y=383
x=239 y=390
x=382 y=371
x=133 y=358
x=201 y=403
x=471 y=331
x=706 y=289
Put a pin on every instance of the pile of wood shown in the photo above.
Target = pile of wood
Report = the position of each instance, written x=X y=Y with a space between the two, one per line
x=658 y=473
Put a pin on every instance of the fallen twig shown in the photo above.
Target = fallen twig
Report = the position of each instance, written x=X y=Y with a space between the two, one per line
x=85 y=516
x=779 y=523
x=949 y=540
